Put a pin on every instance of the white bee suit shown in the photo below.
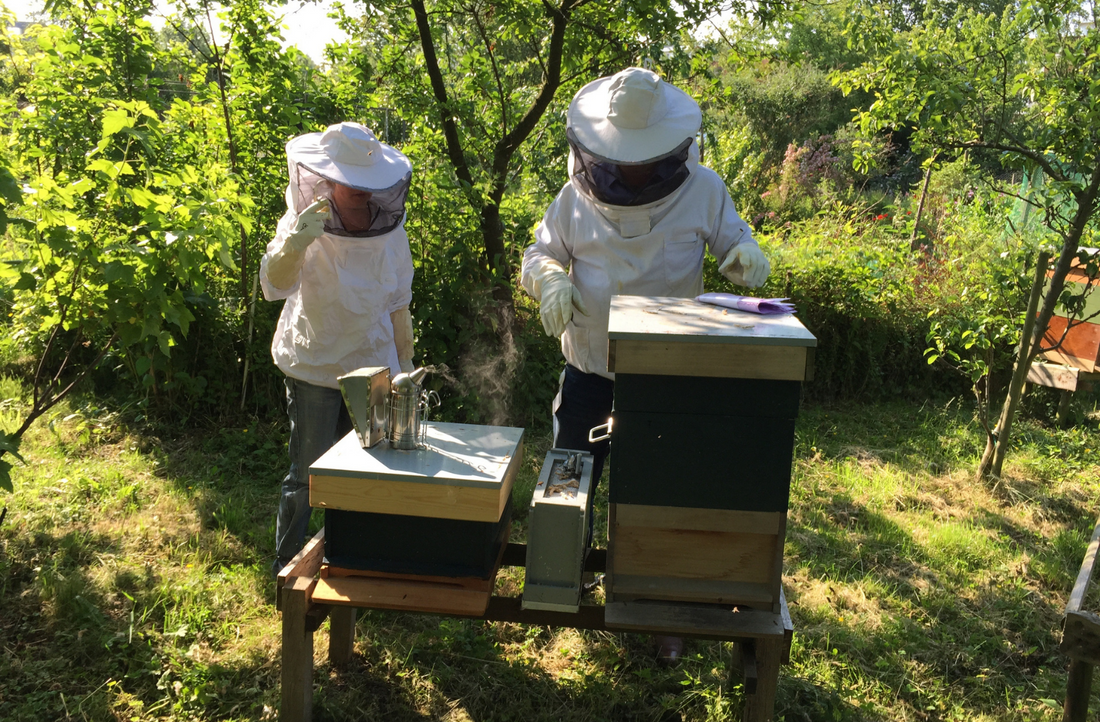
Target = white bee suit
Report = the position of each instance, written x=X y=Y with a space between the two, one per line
x=337 y=314
x=608 y=251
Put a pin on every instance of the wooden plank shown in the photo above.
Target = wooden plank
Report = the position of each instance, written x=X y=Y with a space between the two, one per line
x=515 y=555
x=682 y=554
x=609 y=575
x=1053 y=376
x=1056 y=356
x=776 y=583
x=788 y=627
x=476 y=584
x=510 y=479
x=341 y=635
x=1078 y=689
x=1084 y=575
x=700 y=620
x=401 y=594
x=316 y=616
x=630 y=586
x=296 y=693
x=1081 y=637
x=748 y=666
x=437 y=501
x=780 y=363
x=682 y=517
x=305 y=563
x=510 y=609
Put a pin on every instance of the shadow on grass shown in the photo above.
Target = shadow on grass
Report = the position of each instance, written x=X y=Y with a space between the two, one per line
x=920 y=623
x=467 y=670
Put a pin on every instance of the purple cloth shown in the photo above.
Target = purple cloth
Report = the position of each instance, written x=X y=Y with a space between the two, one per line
x=763 y=306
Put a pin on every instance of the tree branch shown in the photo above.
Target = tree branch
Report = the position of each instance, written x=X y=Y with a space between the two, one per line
x=1039 y=158
x=496 y=71
x=439 y=90
x=508 y=145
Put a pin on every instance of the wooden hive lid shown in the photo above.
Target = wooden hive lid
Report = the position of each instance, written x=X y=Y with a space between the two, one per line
x=682 y=337
x=465 y=472
x=685 y=320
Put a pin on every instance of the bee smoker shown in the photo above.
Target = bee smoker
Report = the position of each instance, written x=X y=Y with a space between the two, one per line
x=391 y=409
x=408 y=403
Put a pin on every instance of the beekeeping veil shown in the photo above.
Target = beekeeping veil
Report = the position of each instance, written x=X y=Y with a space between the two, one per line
x=632 y=118
x=375 y=177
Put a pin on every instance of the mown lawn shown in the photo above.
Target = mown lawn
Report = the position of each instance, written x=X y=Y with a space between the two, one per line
x=134 y=585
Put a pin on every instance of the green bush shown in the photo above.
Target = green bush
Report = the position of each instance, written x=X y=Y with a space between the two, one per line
x=872 y=302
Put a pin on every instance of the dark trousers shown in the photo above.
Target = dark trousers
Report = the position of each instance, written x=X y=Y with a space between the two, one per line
x=583 y=402
x=318 y=419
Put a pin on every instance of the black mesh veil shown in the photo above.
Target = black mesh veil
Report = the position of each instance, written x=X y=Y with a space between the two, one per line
x=603 y=178
x=356 y=212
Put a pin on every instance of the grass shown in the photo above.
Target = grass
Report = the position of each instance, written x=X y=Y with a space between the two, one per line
x=134 y=585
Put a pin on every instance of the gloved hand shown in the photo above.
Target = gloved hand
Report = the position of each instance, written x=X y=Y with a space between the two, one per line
x=403 y=338
x=746 y=265
x=310 y=226
x=557 y=296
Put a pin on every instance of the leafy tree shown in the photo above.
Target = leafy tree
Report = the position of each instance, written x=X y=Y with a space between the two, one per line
x=1024 y=87
x=483 y=76
x=110 y=244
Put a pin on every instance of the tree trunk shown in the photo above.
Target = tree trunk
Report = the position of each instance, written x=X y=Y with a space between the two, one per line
x=997 y=441
x=913 y=245
x=1031 y=343
x=492 y=231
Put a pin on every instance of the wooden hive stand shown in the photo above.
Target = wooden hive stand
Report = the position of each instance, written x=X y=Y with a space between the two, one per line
x=306 y=599
x=1081 y=638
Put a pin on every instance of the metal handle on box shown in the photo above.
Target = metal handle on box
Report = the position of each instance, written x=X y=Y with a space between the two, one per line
x=592 y=438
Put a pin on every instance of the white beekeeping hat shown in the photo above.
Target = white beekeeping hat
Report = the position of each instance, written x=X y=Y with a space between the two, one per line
x=632 y=117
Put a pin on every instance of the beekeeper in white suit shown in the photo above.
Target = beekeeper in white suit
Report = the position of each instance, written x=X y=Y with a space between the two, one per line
x=341 y=259
x=635 y=218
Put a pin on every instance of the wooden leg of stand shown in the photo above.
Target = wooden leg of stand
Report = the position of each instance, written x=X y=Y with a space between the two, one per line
x=1077 y=691
x=1062 y=416
x=759 y=707
x=341 y=635
x=297 y=681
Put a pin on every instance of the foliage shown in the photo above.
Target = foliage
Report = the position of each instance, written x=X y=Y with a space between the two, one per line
x=1021 y=86
x=113 y=243
x=860 y=291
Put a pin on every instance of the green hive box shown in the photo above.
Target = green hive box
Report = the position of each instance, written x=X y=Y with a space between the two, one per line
x=706 y=401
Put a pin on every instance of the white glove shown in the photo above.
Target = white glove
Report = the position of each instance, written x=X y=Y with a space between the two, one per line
x=557 y=296
x=403 y=337
x=746 y=265
x=283 y=266
x=310 y=226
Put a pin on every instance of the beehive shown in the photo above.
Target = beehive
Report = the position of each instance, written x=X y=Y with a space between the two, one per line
x=442 y=511
x=705 y=406
x=1079 y=347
